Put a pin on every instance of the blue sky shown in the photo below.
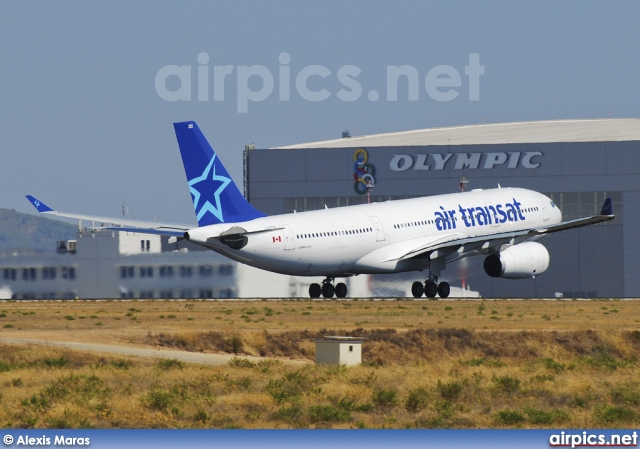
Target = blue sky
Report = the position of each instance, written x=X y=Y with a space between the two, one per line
x=83 y=126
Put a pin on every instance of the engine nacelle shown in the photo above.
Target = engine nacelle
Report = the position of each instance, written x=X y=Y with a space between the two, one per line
x=522 y=261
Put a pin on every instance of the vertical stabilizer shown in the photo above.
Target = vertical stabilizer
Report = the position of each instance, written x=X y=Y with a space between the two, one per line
x=216 y=198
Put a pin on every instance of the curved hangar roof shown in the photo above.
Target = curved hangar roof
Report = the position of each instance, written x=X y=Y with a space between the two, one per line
x=496 y=133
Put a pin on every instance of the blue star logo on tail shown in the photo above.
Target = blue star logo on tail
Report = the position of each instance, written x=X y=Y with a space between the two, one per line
x=209 y=182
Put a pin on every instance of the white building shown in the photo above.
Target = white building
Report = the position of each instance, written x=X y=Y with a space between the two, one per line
x=112 y=264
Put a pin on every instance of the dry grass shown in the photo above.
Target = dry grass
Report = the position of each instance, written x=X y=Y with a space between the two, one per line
x=427 y=364
x=114 y=318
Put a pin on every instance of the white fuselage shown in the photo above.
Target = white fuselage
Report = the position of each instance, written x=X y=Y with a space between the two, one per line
x=373 y=238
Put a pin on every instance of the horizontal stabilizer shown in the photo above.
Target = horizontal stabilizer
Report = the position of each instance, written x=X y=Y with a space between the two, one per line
x=116 y=224
x=157 y=231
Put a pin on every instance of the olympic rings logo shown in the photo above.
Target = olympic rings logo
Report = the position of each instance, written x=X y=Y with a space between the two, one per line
x=364 y=173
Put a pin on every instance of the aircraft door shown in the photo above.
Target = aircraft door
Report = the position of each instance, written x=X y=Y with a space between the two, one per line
x=543 y=206
x=377 y=226
x=289 y=242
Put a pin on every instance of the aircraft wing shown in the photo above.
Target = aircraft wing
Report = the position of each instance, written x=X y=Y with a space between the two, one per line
x=606 y=214
x=119 y=224
x=465 y=244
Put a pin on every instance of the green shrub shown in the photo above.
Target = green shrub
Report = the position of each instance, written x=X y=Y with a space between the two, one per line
x=612 y=415
x=240 y=362
x=121 y=363
x=235 y=343
x=417 y=400
x=450 y=390
x=544 y=418
x=292 y=414
x=290 y=386
x=201 y=416
x=4 y=366
x=508 y=418
x=628 y=395
x=328 y=413
x=167 y=364
x=56 y=363
x=159 y=400
x=385 y=398
x=551 y=364
x=602 y=358
x=507 y=384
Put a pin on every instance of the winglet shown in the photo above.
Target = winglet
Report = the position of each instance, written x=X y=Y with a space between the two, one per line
x=607 y=208
x=39 y=204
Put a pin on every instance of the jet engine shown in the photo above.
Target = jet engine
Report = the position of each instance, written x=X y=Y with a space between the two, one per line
x=522 y=261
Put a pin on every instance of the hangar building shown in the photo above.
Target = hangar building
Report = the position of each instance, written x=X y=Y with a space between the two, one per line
x=578 y=163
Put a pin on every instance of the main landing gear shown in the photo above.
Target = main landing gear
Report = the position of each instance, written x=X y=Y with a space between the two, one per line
x=431 y=288
x=328 y=290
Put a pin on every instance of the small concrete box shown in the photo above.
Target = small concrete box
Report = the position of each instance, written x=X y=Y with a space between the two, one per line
x=333 y=350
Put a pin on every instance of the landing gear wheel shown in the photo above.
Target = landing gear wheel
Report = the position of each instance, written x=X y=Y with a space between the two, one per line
x=430 y=289
x=314 y=290
x=417 y=289
x=327 y=290
x=444 y=290
x=341 y=290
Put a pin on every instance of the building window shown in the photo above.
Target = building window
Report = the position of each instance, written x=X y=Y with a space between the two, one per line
x=227 y=293
x=29 y=274
x=205 y=271
x=10 y=274
x=166 y=294
x=49 y=273
x=127 y=272
x=225 y=270
x=206 y=293
x=186 y=271
x=186 y=293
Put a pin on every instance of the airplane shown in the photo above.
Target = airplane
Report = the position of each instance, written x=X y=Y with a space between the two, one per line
x=502 y=224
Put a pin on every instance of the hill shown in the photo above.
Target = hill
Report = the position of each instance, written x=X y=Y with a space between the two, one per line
x=25 y=233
